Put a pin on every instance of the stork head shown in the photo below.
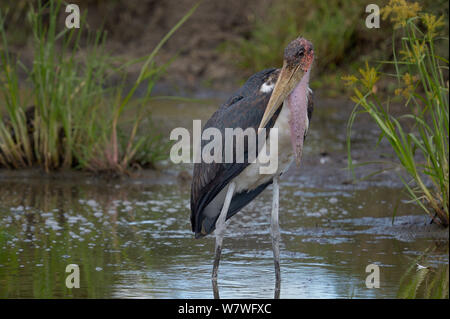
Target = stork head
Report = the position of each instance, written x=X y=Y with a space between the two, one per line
x=297 y=61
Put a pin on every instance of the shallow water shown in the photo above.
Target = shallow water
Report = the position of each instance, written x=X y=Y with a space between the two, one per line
x=131 y=238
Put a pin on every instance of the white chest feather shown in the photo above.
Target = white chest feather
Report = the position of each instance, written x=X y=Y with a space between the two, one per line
x=251 y=176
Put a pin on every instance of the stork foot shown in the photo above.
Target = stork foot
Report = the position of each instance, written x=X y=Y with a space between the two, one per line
x=216 y=261
x=214 y=273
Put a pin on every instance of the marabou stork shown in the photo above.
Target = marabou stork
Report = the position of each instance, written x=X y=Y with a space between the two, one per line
x=272 y=98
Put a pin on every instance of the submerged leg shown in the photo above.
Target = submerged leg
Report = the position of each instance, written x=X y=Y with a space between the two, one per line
x=220 y=231
x=275 y=232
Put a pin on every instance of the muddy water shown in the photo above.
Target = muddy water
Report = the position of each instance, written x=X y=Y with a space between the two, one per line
x=131 y=238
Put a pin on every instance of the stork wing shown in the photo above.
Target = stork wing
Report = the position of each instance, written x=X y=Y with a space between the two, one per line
x=244 y=109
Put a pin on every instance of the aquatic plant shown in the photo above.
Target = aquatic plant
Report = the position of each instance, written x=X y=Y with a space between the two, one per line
x=423 y=281
x=419 y=137
x=76 y=113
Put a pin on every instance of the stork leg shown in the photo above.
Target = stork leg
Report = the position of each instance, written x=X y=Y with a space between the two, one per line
x=220 y=232
x=275 y=233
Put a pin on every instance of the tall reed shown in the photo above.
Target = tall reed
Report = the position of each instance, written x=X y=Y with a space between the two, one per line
x=419 y=137
x=75 y=117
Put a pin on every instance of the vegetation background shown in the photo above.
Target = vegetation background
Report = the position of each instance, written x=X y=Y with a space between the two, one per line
x=225 y=42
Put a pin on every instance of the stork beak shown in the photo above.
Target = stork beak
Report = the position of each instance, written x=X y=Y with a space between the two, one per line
x=285 y=84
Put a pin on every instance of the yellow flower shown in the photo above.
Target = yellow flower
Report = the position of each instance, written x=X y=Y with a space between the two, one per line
x=400 y=11
x=369 y=77
x=409 y=81
x=358 y=96
x=415 y=53
x=350 y=80
x=432 y=24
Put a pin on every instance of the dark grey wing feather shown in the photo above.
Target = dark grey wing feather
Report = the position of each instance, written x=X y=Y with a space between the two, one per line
x=244 y=109
x=243 y=198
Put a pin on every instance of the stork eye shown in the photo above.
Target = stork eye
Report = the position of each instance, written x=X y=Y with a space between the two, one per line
x=300 y=53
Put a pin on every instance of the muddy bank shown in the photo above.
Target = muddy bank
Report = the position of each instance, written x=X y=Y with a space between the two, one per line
x=324 y=163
